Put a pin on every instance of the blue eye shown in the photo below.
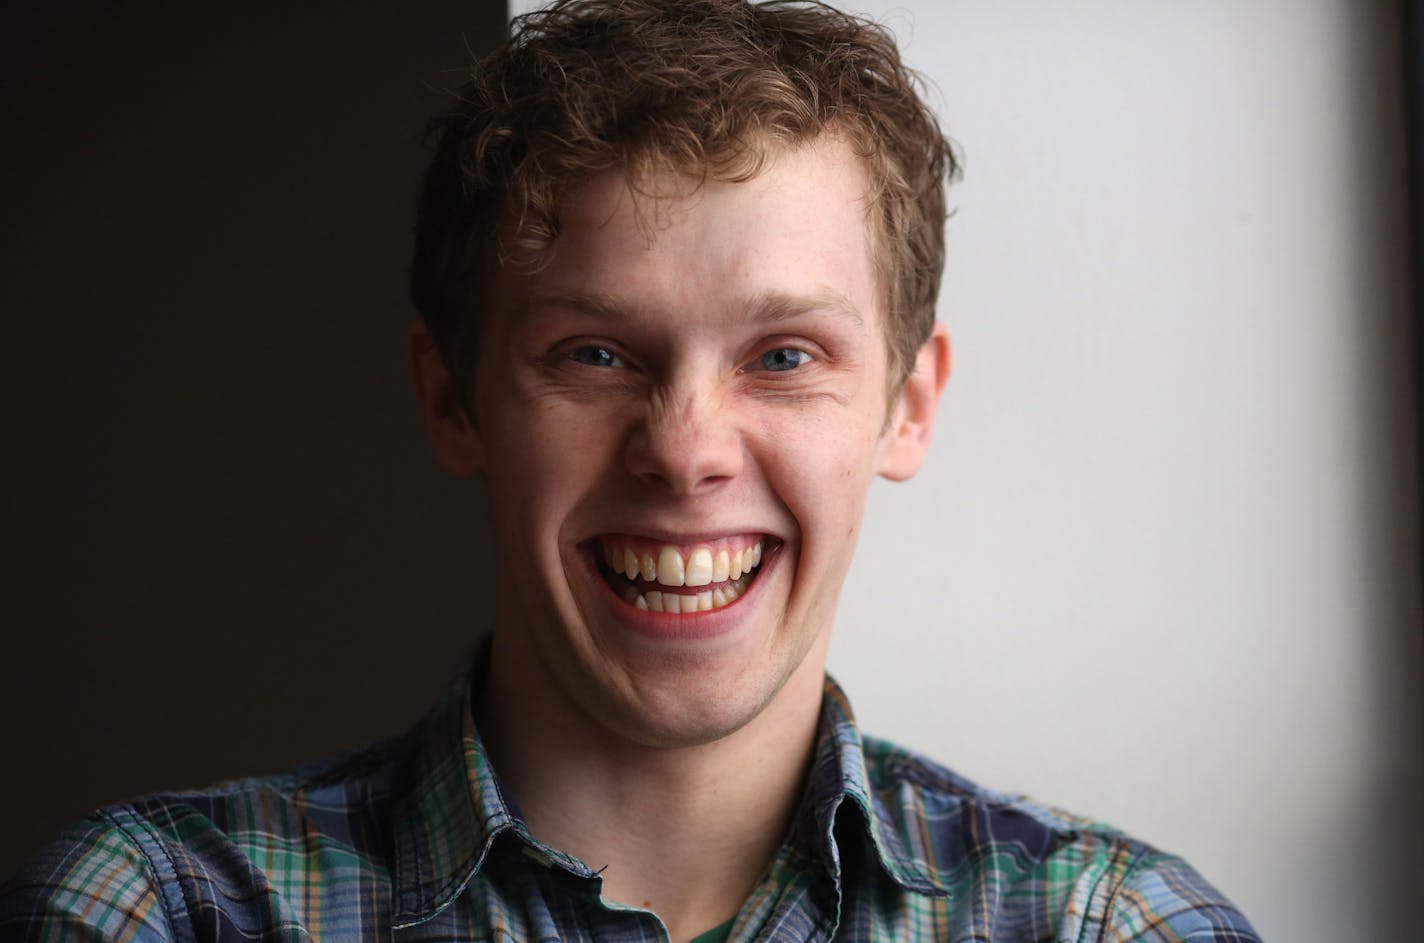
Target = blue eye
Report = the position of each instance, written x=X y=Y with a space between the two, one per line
x=784 y=358
x=595 y=356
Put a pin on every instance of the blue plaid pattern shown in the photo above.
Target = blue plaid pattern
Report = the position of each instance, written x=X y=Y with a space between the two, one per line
x=412 y=839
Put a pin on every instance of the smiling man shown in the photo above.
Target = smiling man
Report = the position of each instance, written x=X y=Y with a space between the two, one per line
x=679 y=428
x=676 y=266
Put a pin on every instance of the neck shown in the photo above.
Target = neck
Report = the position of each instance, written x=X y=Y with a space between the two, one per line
x=684 y=831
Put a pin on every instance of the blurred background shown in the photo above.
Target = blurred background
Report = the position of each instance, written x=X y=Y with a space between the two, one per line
x=226 y=546
x=1172 y=504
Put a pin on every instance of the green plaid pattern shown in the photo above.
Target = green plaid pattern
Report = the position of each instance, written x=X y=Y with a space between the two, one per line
x=412 y=839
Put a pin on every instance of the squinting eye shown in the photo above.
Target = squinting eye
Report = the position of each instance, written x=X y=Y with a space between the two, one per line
x=594 y=356
x=784 y=358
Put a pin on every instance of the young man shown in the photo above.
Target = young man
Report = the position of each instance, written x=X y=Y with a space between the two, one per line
x=676 y=264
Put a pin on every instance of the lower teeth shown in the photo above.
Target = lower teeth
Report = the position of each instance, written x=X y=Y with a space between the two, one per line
x=658 y=601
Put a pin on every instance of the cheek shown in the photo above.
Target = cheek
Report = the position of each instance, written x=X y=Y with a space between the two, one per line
x=822 y=468
x=534 y=430
x=538 y=461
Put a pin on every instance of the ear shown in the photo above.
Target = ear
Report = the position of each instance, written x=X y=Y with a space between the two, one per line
x=912 y=416
x=457 y=445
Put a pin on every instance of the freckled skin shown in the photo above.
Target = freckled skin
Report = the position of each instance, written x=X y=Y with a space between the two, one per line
x=729 y=376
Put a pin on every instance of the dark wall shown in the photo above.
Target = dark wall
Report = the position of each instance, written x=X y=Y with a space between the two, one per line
x=226 y=547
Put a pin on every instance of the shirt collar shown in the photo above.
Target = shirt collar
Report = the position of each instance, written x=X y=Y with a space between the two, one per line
x=887 y=810
x=449 y=808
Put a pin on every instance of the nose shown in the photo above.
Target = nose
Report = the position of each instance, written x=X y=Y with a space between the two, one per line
x=686 y=442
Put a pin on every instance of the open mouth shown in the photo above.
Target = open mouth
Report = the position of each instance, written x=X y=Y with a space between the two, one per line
x=702 y=577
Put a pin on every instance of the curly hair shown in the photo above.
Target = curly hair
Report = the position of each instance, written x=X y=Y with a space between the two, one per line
x=711 y=88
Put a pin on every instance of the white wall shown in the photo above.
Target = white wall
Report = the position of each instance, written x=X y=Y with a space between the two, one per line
x=1162 y=567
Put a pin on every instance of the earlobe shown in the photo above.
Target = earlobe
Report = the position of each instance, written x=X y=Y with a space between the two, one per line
x=452 y=435
x=913 y=420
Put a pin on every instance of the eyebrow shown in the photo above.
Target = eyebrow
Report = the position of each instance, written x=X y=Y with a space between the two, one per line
x=772 y=306
x=778 y=306
x=595 y=303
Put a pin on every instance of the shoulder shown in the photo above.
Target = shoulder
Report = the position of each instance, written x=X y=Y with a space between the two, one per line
x=96 y=881
x=949 y=821
x=230 y=855
x=1021 y=863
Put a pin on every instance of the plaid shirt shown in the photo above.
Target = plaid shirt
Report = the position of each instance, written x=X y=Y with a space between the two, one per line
x=412 y=840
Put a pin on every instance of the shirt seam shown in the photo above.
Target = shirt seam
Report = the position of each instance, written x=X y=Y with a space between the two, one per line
x=153 y=871
x=1106 y=888
x=1160 y=917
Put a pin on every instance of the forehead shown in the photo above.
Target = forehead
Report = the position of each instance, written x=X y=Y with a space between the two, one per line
x=675 y=243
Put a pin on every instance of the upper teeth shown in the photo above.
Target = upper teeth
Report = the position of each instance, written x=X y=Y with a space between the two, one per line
x=702 y=566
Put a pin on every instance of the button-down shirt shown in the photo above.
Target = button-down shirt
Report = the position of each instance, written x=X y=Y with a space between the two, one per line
x=413 y=839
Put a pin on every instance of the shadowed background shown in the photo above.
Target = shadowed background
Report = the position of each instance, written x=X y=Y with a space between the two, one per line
x=226 y=546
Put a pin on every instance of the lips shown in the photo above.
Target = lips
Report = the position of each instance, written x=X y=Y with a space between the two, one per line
x=680 y=578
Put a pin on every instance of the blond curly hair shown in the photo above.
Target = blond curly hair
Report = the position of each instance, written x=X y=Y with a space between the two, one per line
x=705 y=87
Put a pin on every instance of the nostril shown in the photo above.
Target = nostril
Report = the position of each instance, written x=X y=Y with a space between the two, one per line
x=690 y=463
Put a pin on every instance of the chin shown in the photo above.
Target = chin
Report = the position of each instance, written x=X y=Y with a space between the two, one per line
x=686 y=712
x=692 y=698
